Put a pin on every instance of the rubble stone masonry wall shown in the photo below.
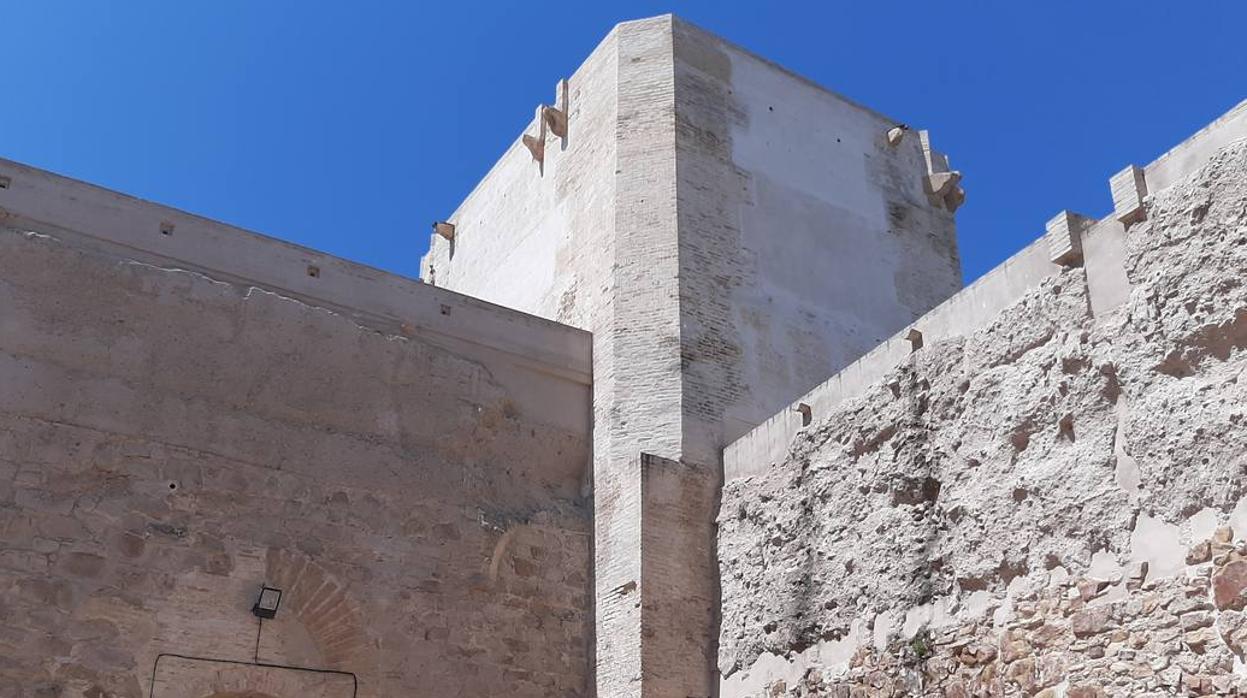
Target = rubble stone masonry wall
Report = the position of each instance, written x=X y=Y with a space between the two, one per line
x=170 y=441
x=1052 y=504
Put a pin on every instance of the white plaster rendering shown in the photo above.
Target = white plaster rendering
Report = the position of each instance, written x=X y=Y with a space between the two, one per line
x=714 y=286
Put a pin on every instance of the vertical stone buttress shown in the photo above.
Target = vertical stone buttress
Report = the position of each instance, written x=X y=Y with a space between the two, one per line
x=675 y=366
x=638 y=387
x=681 y=495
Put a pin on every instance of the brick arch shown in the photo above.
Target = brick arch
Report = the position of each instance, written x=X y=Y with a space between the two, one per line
x=501 y=548
x=324 y=607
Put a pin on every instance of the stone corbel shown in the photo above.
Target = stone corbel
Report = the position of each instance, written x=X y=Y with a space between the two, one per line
x=537 y=144
x=444 y=229
x=556 y=121
x=1129 y=188
x=914 y=337
x=1064 y=235
x=942 y=185
x=556 y=116
x=552 y=119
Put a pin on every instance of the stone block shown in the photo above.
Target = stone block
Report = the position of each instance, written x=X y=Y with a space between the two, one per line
x=1229 y=586
x=536 y=145
x=555 y=120
x=444 y=229
x=1064 y=236
x=1129 y=188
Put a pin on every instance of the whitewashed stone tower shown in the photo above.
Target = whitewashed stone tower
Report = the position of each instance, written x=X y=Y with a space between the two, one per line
x=732 y=234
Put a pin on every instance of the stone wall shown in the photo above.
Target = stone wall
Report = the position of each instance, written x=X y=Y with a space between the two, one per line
x=587 y=237
x=1052 y=504
x=806 y=236
x=688 y=220
x=170 y=440
x=538 y=236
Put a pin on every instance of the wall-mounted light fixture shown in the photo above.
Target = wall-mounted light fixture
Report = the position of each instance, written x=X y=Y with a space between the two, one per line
x=266 y=605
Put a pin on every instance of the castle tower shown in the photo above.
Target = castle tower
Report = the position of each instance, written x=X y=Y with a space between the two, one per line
x=732 y=235
x=784 y=458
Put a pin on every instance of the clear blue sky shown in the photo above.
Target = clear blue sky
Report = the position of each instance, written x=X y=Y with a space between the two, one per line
x=349 y=126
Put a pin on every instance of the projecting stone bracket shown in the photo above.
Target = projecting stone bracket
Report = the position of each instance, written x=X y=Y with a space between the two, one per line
x=536 y=144
x=806 y=412
x=1064 y=236
x=549 y=120
x=944 y=190
x=914 y=337
x=556 y=121
x=1129 y=189
x=942 y=185
x=444 y=229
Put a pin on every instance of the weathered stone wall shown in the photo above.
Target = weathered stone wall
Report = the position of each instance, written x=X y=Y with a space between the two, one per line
x=170 y=441
x=588 y=238
x=688 y=221
x=1053 y=504
x=806 y=237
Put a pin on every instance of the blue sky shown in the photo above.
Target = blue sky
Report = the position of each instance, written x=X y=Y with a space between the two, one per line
x=348 y=126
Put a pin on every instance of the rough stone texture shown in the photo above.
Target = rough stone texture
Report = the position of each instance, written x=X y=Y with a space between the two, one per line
x=1064 y=640
x=1030 y=510
x=169 y=441
x=1041 y=497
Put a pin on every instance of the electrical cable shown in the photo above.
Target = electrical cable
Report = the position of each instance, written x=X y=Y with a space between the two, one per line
x=255 y=662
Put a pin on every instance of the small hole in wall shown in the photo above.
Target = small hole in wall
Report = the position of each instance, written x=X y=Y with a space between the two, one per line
x=166 y=228
x=445 y=309
x=313 y=271
x=5 y=182
x=173 y=486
